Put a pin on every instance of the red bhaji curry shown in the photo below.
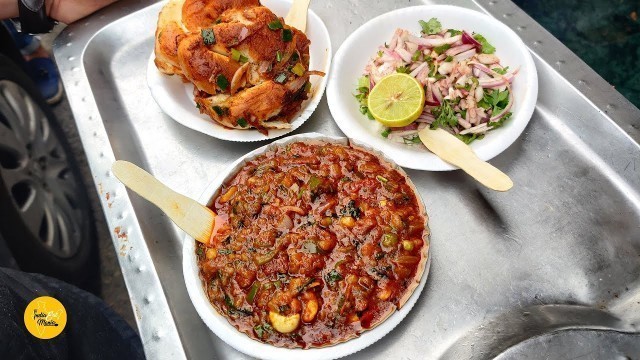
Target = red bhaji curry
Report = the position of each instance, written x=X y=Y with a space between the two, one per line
x=320 y=242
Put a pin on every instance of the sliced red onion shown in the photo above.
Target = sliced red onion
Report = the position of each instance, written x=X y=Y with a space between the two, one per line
x=244 y=32
x=465 y=124
x=394 y=39
x=415 y=71
x=458 y=49
x=404 y=54
x=483 y=68
x=422 y=75
x=464 y=55
x=285 y=223
x=479 y=94
x=390 y=53
x=475 y=130
x=264 y=66
x=468 y=39
x=395 y=138
x=388 y=58
x=402 y=132
x=504 y=111
x=433 y=42
x=437 y=94
x=411 y=47
x=490 y=83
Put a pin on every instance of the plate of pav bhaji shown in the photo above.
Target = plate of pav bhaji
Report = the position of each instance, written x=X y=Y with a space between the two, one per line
x=321 y=248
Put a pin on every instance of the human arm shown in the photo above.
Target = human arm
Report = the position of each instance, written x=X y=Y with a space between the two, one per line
x=66 y=11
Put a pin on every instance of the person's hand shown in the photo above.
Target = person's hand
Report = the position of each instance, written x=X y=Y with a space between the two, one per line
x=68 y=11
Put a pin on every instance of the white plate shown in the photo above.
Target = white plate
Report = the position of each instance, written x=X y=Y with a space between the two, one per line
x=175 y=98
x=241 y=342
x=355 y=52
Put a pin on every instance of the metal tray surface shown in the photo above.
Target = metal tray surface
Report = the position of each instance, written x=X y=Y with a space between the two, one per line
x=549 y=269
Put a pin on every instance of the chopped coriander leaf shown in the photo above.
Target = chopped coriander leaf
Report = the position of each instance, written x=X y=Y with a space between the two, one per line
x=497 y=124
x=287 y=35
x=365 y=111
x=486 y=47
x=416 y=55
x=222 y=82
x=225 y=251
x=385 y=133
x=495 y=100
x=275 y=25
x=444 y=116
x=432 y=26
x=199 y=251
x=242 y=122
x=403 y=70
x=380 y=53
x=208 y=37
x=454 y=32
x=332 y=277
x=442 y=48
x=351 y=210
x=280 y=78
x=259 y=330
x=278 y=56
x=197 y=106
x=448 y=59
x=501 y=71
x=468 y=138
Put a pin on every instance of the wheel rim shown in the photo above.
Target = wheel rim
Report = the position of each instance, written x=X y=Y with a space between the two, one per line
x=35 y=172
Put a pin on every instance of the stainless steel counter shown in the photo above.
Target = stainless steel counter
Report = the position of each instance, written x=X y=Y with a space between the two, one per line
x=548 y=269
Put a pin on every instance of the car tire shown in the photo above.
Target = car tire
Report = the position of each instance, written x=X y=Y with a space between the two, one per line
x=45 y=214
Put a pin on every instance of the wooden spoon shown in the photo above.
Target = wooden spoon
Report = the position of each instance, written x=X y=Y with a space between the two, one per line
x=450 y=149
x=192 y=217
x=297 y=16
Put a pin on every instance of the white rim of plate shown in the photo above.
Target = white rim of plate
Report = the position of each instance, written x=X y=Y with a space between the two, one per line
x=243 y=343
x=165 y=88
x=493 y=144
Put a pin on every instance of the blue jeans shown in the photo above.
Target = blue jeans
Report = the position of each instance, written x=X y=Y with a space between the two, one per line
x=26 y=43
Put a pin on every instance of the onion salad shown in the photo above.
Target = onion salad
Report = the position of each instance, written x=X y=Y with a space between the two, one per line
x=467 y=90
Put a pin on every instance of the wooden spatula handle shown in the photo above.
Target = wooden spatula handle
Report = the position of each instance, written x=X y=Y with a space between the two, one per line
x=452 y=150
x=297 y=16
x=192 y=217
